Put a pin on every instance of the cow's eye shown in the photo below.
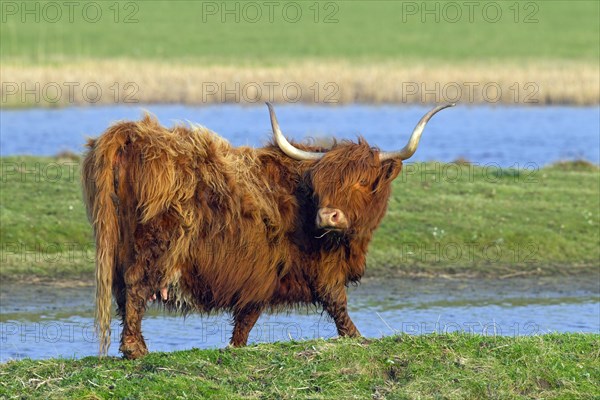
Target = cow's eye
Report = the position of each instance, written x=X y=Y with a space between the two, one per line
x=364 y=182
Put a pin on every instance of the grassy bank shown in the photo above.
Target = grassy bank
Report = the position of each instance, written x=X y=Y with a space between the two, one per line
x=442 y=219
x=453 y=366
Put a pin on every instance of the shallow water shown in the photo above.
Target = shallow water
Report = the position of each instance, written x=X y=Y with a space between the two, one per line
x=41 y=321
x=483 y=134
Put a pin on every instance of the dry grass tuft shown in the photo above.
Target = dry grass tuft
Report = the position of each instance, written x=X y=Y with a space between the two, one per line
x=126 y=81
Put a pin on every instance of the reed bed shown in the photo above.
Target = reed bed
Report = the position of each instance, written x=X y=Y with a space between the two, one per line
x=328 y=82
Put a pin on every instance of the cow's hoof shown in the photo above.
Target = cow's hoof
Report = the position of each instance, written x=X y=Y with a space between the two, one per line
x=133 y=350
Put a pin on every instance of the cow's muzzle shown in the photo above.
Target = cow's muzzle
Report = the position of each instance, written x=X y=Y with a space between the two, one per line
x=331 y=218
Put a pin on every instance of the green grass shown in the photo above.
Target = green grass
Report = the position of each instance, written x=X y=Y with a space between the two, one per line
x=453 y=366
x=487 y=222
x=489 y=219
x=44 y=230
x=365 y=30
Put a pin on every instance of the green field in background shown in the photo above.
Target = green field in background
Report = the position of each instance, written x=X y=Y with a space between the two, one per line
x=357 y=30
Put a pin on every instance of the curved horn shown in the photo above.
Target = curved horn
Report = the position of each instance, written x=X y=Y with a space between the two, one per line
x=410 y=148
x=286 y=146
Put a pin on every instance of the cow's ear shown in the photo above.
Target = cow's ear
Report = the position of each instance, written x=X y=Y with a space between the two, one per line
x=391 y=169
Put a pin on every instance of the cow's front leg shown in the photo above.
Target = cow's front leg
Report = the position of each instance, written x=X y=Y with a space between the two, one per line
x=337 y=307
x=136 y=294
x=244 y=321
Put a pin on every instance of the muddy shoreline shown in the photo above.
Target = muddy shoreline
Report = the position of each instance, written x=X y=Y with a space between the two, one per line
x=410 y=273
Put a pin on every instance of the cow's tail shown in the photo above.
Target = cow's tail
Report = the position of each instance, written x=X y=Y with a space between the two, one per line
x=99 y=190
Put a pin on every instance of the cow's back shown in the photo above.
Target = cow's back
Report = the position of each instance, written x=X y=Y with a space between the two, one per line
x=206 y=216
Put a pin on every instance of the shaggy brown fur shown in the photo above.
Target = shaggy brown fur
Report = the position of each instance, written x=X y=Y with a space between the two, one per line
x=225 y=228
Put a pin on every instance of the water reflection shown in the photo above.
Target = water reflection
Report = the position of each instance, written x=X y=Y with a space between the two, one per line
x=42 y=322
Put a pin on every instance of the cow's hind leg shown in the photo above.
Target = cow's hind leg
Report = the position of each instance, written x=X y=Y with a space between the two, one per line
x=136 y=294
x=244 y=321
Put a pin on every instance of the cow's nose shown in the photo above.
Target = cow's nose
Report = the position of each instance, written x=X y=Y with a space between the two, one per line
x=331 y=218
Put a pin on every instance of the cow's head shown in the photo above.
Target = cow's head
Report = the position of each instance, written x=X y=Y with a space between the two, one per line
x=351 y=182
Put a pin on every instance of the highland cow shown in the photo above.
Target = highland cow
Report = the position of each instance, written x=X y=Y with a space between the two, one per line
x=182 y=214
